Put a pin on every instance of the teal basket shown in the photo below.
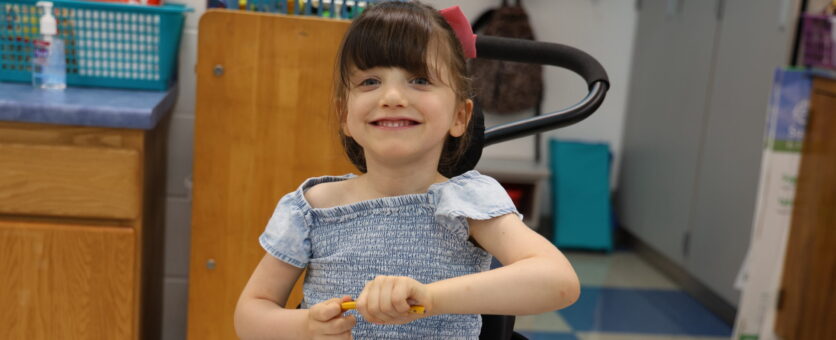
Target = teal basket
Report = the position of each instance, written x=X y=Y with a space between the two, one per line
x=107 y=44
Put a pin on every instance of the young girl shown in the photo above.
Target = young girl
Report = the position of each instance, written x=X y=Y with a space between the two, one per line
x=401 y=233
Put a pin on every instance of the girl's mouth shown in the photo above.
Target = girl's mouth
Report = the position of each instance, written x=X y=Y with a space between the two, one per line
x=394 y=123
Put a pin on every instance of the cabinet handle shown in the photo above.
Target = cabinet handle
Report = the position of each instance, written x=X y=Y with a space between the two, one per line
x=218 y=70
x=783 y=13
x=673 y=7
x=721 y=6
x=210 y=264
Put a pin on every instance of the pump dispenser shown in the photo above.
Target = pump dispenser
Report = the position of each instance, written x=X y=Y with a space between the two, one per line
x=49 y=68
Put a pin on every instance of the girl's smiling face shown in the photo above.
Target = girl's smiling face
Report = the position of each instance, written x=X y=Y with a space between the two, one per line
x=402 y=89
x=399 y=117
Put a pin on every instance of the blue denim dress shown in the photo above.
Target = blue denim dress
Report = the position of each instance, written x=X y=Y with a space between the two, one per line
x=422 y=236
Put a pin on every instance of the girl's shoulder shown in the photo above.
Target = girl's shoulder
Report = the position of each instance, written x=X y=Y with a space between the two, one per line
x=327 y=194
x=469 y=182
x=326 y=191
x=473 y=195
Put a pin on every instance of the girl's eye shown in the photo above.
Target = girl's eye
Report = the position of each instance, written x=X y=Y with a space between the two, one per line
x=421 y=81
x=369 y=82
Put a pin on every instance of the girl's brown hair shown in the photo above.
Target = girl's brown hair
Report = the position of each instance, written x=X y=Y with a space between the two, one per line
x=399 y=34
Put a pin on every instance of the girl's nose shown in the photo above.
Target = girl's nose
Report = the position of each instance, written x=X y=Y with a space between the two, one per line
x=393 y=97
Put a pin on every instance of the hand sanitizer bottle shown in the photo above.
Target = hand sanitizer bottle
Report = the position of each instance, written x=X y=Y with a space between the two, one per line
x=48 y=65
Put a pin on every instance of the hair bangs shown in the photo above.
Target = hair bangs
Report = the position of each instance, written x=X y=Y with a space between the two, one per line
x=396 y=37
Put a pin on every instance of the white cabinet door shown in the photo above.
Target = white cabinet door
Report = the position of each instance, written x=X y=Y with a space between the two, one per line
x=665 y=120
x=755 y=37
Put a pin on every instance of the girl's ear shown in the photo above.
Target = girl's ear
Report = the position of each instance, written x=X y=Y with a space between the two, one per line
x=343 y=124
x=461 y=118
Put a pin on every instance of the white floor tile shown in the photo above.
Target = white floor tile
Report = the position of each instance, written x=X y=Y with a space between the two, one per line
x=618 y=269
x=620 y=336
x=546 y=322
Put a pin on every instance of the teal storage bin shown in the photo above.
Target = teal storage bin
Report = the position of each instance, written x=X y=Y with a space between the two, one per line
x=581 y=195
x=107 y=44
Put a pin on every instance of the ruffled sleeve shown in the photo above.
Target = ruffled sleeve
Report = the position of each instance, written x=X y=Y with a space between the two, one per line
x=286 y=236
x=474 y=196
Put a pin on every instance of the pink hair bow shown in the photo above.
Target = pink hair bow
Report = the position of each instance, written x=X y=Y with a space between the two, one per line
x=461 y=27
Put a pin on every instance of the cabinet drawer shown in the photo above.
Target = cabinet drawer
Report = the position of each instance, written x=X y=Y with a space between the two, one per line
x=65 y=281
x=69 y=181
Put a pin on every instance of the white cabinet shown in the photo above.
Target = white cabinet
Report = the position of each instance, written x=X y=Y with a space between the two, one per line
x=700 y=82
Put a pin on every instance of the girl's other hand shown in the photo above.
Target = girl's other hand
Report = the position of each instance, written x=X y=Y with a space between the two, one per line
x=386 y=300
x=325 y=320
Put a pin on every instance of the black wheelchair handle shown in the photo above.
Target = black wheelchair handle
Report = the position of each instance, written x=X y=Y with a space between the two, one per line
x=536 y=52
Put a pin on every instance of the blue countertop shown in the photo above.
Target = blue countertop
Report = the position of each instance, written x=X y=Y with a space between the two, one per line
x=114 y=108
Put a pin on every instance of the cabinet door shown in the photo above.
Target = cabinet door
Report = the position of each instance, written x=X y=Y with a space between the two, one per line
x=66 y=281
x=669 y=82
x=754 y=39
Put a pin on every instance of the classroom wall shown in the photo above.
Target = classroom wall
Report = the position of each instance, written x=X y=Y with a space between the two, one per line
x=602 y=28
x=178 y=196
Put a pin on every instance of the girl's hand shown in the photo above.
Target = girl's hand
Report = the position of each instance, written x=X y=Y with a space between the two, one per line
x=386 y=300
x=325 y=320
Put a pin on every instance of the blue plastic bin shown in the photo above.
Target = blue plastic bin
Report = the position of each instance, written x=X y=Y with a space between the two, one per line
x=581 y=189
x=107 y=44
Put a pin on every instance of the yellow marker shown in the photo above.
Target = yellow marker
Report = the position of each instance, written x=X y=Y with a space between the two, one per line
x=353 y=305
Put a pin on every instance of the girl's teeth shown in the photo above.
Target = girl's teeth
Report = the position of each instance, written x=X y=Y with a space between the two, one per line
x=393 y=123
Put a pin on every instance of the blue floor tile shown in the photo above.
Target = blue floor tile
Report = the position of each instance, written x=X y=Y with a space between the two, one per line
x=646 y=311
x=548 y=336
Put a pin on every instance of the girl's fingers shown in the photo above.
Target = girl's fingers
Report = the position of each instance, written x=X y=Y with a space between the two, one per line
x=400 y=294
x=386 y=300
x=326 y=320
x=383 y=287
x=373 y=311
x=326 y=310
x=340 y=325
x=418 y=295
x=363 y=302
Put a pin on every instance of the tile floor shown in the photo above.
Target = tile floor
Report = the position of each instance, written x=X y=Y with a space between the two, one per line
x=624 y=298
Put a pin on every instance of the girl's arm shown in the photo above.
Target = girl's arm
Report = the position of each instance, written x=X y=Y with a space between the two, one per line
x=535 y=276
x=259 y=314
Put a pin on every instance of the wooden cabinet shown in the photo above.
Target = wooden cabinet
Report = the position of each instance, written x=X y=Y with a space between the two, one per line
x=262 y=126
x=806 y=309
x=80 y=231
